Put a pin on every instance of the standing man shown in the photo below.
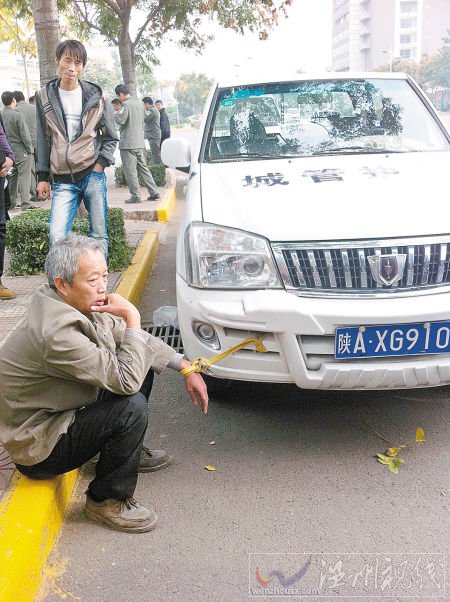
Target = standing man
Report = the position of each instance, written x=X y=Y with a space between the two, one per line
x=76 y=140
x=19 y=138
x=117 y=105
x=164 y=121
x=28 y=112
x=152 y=131
x=132 y=146
x=6 y=162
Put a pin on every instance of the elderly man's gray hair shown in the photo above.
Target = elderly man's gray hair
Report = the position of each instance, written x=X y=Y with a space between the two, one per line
x=62 y=259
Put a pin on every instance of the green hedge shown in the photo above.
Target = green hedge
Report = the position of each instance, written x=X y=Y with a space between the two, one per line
x=27 y=240
x=158 y=172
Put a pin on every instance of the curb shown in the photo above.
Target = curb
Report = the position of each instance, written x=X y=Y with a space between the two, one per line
x=31 y=513
x=134 y=279
x=165 y=208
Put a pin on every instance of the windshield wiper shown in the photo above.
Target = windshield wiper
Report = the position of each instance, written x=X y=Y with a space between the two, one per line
x=357 y=149
x=245 y=155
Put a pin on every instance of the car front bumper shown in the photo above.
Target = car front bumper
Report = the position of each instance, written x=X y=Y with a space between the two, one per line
x=298 y=333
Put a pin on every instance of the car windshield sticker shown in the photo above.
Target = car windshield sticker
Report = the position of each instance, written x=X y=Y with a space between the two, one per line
x=323 y=175
x=270 y=179
x=231 y=99
x=228 y=102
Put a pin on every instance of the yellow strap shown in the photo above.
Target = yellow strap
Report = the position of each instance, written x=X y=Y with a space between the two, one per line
x=202 y=364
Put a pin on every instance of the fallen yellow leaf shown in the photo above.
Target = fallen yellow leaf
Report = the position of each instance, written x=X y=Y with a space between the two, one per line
x=392 y=451
x=210 y=468
x=420 y=435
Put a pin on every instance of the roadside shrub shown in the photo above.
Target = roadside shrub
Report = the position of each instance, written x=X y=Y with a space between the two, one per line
x=27 y=240
x=158 y=172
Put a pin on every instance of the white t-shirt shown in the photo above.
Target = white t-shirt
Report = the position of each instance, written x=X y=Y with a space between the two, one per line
x=72 y=103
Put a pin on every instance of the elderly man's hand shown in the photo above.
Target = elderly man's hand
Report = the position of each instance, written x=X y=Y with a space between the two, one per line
x=118 y=306
x=196 y=387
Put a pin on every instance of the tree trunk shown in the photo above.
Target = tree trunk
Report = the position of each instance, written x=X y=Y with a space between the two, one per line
x=48 y=35
x=126 y=53
x=25 y=70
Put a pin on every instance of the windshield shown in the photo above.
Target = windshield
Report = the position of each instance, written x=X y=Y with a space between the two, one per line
x=320 y=117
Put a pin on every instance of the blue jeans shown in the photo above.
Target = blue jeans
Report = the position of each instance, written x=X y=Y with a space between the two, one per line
x=66 y=200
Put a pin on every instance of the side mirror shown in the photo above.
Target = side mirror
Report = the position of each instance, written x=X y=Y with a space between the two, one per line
x=176 y=152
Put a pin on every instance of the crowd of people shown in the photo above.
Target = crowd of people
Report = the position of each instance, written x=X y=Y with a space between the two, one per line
x=76 y=375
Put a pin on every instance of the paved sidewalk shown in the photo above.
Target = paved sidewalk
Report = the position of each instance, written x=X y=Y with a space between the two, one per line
x=138 y=220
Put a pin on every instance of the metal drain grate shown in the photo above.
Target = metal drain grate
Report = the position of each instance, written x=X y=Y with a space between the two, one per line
x=168 y=334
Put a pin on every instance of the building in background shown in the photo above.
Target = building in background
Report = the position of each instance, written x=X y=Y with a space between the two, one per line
x=371 y=33
x=12 y=72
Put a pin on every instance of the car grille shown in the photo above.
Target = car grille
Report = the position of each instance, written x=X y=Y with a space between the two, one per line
x=344 y=268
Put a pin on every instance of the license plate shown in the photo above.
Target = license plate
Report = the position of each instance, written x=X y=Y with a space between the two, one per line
x=401 y=339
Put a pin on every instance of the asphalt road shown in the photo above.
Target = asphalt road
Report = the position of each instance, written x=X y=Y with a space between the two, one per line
x=296 y=486
x=295 y=474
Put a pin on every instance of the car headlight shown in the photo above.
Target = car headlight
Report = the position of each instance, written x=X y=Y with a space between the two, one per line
x=218 y=257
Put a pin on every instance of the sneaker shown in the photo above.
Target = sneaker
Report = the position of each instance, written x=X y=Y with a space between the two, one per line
x=133 y=201
x=153 y=459
x=6 y=293
x=153 y=197
x=122 y=515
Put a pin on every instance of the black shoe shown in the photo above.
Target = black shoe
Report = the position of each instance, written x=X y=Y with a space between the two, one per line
x=155 y=197
x=133 y=201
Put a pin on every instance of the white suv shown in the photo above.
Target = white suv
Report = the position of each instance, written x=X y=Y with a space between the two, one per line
x=318 y=218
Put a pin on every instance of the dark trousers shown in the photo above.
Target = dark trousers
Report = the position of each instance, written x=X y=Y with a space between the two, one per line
x=3 y=214
x=115 y=426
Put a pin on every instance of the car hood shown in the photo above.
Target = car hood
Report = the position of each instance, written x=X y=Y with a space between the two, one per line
x=330 y=198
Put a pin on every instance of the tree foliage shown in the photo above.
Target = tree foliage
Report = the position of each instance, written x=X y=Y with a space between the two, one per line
x=438 y=73
x=95 y=71
x=431 y=72
x=18 y=31
x=159 y=20
x=191 y=91
x=145 y=81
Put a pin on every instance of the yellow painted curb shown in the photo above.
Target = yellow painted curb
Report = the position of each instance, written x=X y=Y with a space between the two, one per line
x=135 y=277
x=30 y=519
x=165 y=207
x=31 y=513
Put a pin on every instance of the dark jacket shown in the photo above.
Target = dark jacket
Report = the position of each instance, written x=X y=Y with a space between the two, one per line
x=95 y=142
x=6 y=150
x=164 y=124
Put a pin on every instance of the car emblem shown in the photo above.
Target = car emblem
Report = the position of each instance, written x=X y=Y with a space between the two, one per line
x=387 y=269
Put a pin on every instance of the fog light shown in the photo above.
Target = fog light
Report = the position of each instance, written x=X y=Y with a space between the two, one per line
x=206 y=333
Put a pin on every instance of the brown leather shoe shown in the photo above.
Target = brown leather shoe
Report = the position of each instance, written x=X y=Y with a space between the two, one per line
x=153 y=459
x=6 y=293
x=122 y=515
